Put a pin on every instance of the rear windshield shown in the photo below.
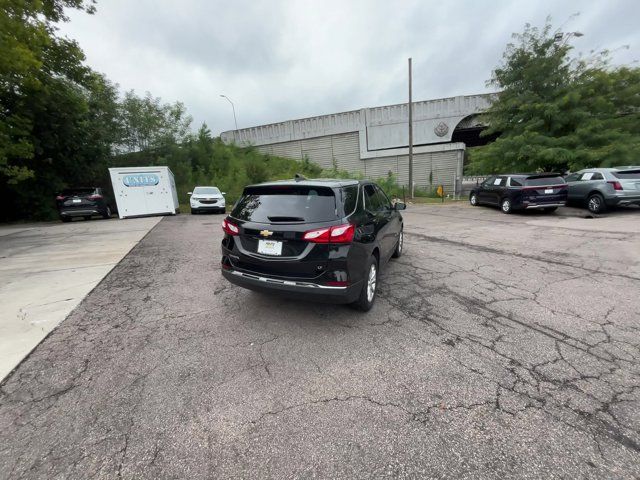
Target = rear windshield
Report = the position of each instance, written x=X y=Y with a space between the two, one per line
x=542 y=181
x=627 y=174
x=77 y=191
x=286 y=204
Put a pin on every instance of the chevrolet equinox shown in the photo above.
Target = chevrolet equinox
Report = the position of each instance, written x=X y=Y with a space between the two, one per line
x=322 y=240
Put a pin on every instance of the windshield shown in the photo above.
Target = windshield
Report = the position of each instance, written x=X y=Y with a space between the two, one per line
x=206 y=191
x=286 y=204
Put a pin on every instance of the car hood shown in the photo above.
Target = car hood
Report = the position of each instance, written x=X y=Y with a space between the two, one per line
x=207 y=197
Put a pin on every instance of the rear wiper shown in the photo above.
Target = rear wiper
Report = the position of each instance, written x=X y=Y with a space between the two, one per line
x=286 y=219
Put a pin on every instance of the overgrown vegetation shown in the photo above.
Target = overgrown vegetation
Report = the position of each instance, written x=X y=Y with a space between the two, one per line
x=555 y=112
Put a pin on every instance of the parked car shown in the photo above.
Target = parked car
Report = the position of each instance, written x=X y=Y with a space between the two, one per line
x=323 y=240
x=545 y=191
x=207 y=199
x=600 y=188
x=83 y=202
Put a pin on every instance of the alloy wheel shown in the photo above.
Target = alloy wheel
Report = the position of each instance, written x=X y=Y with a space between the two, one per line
x=371 y=283
x=506 y=206
x=474 y=200
x=594 y=204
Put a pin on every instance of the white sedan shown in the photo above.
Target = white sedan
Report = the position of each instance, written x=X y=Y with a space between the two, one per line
x=207 y=199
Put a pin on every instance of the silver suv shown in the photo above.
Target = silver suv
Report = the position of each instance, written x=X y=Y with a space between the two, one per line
x=599 y=188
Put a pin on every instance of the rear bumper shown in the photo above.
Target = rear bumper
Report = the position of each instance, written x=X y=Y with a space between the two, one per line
x=531 y=206
x=80 y=212
x=622 y=200
x=292 y=288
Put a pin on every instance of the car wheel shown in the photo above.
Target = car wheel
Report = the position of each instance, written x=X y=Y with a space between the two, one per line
x=193 y=211
x=368 y=293
x=473 y=200
x=596 y=204
x=506 y=206
x=65 y=219
x=550 y=209
x=399 y=246
x=107 y=213
x=87 y=217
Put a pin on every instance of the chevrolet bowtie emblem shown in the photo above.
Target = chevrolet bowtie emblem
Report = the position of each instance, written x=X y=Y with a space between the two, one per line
x=266 y=233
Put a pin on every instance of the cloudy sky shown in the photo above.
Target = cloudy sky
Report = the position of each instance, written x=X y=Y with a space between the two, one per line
x=279 y=60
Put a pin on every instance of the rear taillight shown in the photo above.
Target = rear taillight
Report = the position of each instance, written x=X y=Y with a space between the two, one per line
x=94 y=197
x=60 y=197
x=338 y=234
x=616 y=185
x=229 y=227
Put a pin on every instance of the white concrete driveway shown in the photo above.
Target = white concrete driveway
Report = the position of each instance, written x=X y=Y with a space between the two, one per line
x=46 y=269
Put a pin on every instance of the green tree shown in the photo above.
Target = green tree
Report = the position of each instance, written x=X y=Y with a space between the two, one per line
x=32 y=57
x=150 y=124
x=554 y=112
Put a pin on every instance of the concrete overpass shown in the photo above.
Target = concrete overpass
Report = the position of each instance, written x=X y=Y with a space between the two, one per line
x=374 y=141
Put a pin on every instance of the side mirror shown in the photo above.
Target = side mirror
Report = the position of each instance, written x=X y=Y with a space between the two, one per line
x=189 y=193
x=224 y=193
x=400 y=206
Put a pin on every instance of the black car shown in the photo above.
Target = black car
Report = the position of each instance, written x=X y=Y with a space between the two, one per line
x=545 y=191
x=83 y=202
x=322 y=240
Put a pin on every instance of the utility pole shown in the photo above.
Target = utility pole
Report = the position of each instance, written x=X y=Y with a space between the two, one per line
x=410 y=136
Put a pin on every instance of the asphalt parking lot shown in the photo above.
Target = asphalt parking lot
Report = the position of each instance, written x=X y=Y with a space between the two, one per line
x=46 y=269
x=499 y=346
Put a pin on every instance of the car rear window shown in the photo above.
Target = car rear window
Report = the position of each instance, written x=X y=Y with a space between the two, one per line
x=542 y=181
x=627 y=174
x=286 y=204
x=77 y=191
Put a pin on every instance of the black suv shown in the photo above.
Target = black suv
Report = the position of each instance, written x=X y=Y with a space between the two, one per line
x=546 y=191
x=83 y=202
x=321 y=240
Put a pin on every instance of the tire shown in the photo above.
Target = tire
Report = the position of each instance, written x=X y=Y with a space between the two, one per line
x=549 y=210
x=473 y=200
x=397 y=253
x=65 y=219
x=107 y=213
x=506 y=206
x=595 y=203
x=368 y=297
x=87 y=217
x=193 y=211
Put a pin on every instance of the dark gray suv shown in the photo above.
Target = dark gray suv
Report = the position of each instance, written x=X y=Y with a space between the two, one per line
x=599 y=188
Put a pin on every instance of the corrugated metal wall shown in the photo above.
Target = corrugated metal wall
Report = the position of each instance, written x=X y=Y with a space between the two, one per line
x=345 y=148
x=443 y=166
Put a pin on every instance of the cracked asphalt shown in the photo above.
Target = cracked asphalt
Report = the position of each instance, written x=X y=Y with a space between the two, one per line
x=499 y=347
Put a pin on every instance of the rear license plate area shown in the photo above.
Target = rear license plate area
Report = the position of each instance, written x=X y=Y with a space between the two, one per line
x=548 y=190
x=270 y=247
